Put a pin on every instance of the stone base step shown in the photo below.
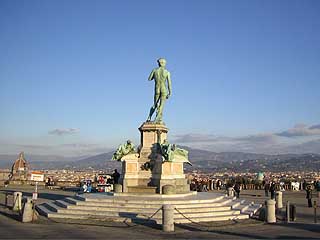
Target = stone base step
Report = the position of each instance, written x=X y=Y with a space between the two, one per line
x=45 y=212
x=210 y=219
x=217 y=203
x=140 y=212
x=198 y=208
x=143 y=201
x=145 y=209
x=134 y=217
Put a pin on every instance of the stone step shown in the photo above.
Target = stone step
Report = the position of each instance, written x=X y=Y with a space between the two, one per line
x=133 y=217
x=145 y=214
x=189 y=208
x=56 y=207
x=237 y=203
x=44 y=211
x=139 y=200
x=252 y=209
x=187 y=204
x=186 y=219
x=122 y=212
x=151 y=195
x=192 y=215
x=52 y=206
x=135 y=208
x=241 y=207
x=210 y=219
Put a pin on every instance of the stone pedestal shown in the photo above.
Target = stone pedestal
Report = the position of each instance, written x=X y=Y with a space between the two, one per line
x=28 y=213
x=146 y=171
x=152 y=134
x=17 y=201
x=271 y=211
x=168 y=218
x=169 y=173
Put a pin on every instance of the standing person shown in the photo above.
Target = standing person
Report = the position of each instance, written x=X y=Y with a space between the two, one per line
x=237 y=189
x=219 y=184
x=204 y=186
x=116 y=176
x=272 y=190
x=304 y=185
x=266 y=189
x=318 y=191
x=85 y=187
x=309 y=195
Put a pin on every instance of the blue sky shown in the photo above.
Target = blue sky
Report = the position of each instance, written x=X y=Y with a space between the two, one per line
x=73 y=74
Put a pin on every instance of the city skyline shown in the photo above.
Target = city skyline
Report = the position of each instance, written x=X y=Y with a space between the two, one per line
x=73 y=77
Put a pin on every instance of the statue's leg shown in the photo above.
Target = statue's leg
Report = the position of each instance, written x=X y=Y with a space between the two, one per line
x=154 y=107
x=160 y=109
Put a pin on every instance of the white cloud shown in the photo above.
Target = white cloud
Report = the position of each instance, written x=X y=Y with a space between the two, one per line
x=69 y=149
x=300 y=130
x=195 y=137
x=63 y=131
x=258 y=138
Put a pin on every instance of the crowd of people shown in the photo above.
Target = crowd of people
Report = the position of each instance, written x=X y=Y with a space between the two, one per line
x=204 y=184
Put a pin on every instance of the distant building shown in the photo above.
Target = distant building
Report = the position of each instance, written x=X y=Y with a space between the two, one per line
x=4 y=174
x=20 y=168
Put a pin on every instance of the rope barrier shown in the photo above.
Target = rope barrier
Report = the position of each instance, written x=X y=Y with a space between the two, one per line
x=148 y=218
x=199 y=224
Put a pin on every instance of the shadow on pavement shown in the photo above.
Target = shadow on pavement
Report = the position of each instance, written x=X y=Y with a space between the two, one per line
x=44 y=195
x=10 y=214
x=139 y=221
x=245 y=233
x=304 y=226
x=223 y=232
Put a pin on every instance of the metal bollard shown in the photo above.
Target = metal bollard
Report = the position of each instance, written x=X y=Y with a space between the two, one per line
x=279 y=200
x=315 y=211
x=6 y=203
x=168 y=218
x=27 y=215
x=271 y=211
x=288 y=211
x=17 y=197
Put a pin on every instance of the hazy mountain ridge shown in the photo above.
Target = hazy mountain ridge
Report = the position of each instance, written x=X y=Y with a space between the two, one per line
x=201 y=159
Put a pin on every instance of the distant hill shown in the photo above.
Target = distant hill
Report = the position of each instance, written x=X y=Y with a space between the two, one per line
x=35 y=161
x=201 y=159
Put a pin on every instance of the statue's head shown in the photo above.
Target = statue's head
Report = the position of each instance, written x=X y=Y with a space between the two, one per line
x=161 y=62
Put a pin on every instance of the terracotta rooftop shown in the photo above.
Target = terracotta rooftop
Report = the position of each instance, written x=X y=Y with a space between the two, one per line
x=20 y=164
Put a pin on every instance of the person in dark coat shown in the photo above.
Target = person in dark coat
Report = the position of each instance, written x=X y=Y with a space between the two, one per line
x=266 y=189
x=237 y=189
x=272 y=190
x=116 y=176
x=309 y=195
